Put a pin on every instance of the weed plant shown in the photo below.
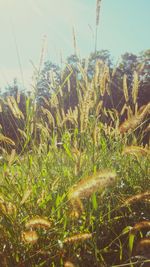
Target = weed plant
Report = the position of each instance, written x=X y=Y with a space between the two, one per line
x=78 y=193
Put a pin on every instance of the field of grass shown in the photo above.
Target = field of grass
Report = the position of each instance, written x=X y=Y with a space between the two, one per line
x=78 y=191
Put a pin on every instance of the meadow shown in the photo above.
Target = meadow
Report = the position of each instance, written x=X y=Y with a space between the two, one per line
x=74 y=168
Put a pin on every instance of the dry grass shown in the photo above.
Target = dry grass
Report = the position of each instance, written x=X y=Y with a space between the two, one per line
x=69 y=264
x=125 y=88
x=77 y=238
x=135 y=87
x=7 y=208
x=140 y=226
x=98 y=4
x=133 y=122
x=145 y=197
x=38 y=222
x=136 y=150
x=29 y=237
x=87 y=186
x=13 y=105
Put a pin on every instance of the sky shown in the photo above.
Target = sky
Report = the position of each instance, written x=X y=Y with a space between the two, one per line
x=25 y=24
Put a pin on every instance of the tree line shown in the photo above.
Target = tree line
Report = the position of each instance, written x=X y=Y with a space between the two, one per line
x=53 y=77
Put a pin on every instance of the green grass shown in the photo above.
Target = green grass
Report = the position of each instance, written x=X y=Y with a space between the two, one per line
x=42 y=180
x=60 y=148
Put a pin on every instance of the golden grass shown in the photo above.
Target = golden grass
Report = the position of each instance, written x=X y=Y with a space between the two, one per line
x=134 y=121
x=104 y=80
x=140 y=226
x=11 y=157
x=13 y=105
x=74 y=214
x=38 y=222
x=7 y=208
x=6 y=140
x=26 y=196
x=69 y=264
x=49 y=116
x=76 y=208
x=135 y=87
x=87 y=186
x=98 y=3
x=125 y=88
x=145 y=197
x=136 y=150
x=29 y=237
x=77 y=238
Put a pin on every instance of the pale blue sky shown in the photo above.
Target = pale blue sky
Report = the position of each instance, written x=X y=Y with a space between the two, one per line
x=124 y=26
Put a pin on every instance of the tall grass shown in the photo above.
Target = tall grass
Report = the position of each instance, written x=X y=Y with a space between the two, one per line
x=57 y=206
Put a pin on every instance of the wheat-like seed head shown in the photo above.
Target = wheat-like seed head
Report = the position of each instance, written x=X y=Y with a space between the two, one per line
x=124 y=108
x=85 y=104
x=96 y=73
x=43 y=129
x=29 y=237
x=49 y=116
x=7 y=208
x=134 y=121
x=38 y=222
x=96 y=134
x=140 y=226
x=25 y=196
x=145 y=197
x=87 y=186
x=136 y=150
x=104 y=80
x=85 y=82
x=98 y=107
x=72 y=116
x=11 y=157
x=77 y=238
x=74 y=214
x=135 y=87
x=98 y=11
x=125 y=88
x=69 y=264
x=77 y=208
x=130 y=113
x=13 y=105
x=6 y=140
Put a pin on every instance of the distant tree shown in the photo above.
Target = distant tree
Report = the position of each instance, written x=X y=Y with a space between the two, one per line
x=49 y=80
x=128 y=64
x=144 y=75
x=70 y=77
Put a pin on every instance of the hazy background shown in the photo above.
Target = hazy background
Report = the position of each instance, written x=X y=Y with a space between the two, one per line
x=124 y=27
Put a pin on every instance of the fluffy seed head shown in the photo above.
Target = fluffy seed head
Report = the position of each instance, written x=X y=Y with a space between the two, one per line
x=140 y=226
x=78 y=237
x=87 y=186
x=29 y=237
x=38 y=222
